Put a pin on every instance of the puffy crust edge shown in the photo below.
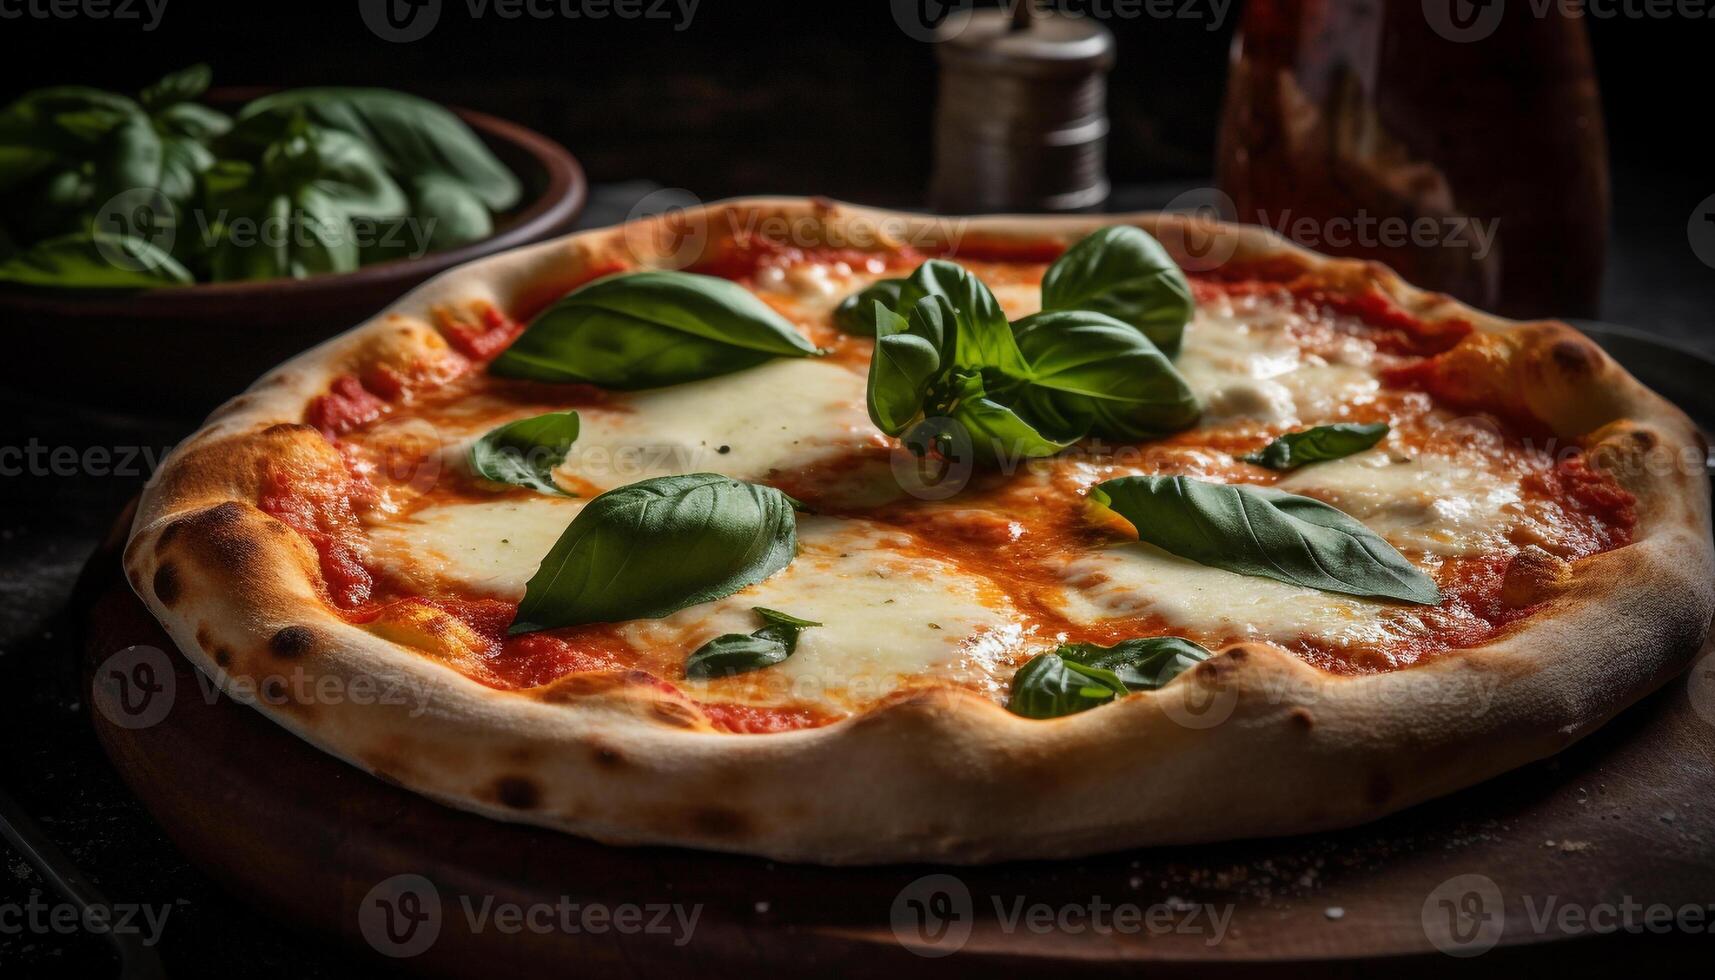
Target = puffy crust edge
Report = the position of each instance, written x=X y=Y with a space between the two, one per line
x=1253 y=742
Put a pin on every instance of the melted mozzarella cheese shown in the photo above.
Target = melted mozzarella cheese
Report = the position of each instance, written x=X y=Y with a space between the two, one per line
x=1135 y=580
x=483 y=549
x=782 y=414
x=1425 y=502
x=887 y=615
x=1240 y=357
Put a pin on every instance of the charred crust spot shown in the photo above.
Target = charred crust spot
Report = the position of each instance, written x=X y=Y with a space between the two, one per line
x=1645 y=440
x=517 y=792
x=719 y=821
x=1301 y=718
x=223 y=657
x=166 y=584
x=1378 y=789
x=607 y=757
x=220 y=517
x=291 y=642
x=1575 y=357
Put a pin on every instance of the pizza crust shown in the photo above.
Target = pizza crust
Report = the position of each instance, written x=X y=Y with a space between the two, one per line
x=1254 y=742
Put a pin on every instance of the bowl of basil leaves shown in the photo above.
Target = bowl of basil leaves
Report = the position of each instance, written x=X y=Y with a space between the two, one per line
x=165 y=249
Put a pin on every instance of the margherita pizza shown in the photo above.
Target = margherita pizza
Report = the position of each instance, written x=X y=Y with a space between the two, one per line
x=803 y=530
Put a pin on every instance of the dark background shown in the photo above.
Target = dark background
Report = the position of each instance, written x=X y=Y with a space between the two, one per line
x=778 y=97
x=754 y=97
x=835 y=99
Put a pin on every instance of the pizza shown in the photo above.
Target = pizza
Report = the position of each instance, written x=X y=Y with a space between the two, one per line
x=797 y=529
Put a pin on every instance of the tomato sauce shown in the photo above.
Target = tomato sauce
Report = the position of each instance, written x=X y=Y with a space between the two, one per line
x=1015 y=531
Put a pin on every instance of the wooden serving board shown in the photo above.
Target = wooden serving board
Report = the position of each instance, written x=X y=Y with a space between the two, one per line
x=1627 y=814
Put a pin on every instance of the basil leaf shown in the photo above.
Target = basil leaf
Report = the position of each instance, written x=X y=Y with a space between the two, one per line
x=1079 y=676
x=180 y=86
x=1123 y=272
x=413 y=137
x=451 y=213
x=188 y=120
x=998 y=432
x=650 y=329
x=1324 y=442
x=1050 y=686
x=739 y=653
x=1265 y=532
x=1142 y=664
x=778 y=619
x=856 y=313
x=1106 y=373
x=526 y=452
x=81 y=261
x=286 y=207
x=649 y=549
x=985 y=339
x=907 y=358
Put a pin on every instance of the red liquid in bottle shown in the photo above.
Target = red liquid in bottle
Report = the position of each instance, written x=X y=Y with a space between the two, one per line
x=1473 y=166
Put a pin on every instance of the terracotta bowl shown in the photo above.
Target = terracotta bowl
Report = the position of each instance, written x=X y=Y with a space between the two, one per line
x=183 y=350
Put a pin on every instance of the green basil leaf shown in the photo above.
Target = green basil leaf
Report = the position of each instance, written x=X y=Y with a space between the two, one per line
x=1079 y=676
x=1123 y=272
x=414 y=137
x=129 y=157
x=985 y=339
x=180 y=86
x=449 y=211
x=649 y=549
x=82 y=261
x=650 y=329
x=338 y=167
x=776 y=618
x=188 y=120
x=1324 y=442
x=856 y=313
x=1050 y=686
x=1265 y=532
x=998 y=432
x=1143 y=663
x=739 y=653
x=526 y=452
x=907 y=358
x=1106 y=373
x=183 y=162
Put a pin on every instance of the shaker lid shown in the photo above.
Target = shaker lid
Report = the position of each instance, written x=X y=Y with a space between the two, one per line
x=1053 y=44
